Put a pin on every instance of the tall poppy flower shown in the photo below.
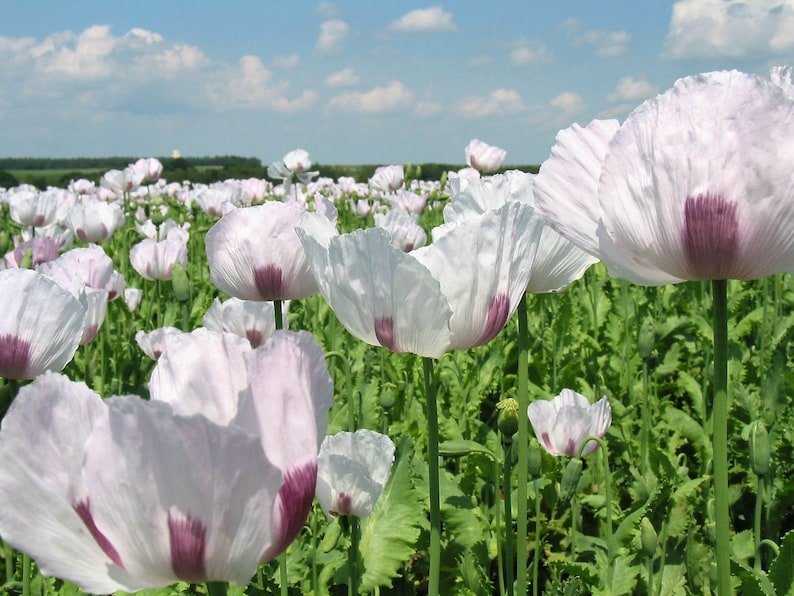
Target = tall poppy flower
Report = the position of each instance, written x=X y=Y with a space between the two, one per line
x=255 y=254
x=41 y=326
x=563 y=424
x=695 y=184
x=122 y=494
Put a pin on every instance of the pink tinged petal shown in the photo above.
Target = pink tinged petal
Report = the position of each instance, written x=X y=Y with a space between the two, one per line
x=14 y=357
x=292 y=507
x=498 y=312
x=711 y=236
x=83 y=509
x=188 y=539
x=269 y=282
x=384 y=332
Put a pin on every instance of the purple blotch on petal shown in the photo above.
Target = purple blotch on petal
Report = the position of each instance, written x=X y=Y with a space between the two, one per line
x=498 y=309
x=14 y=357
x=83 y=511
x=711 y=236
x=293 y=503
x=254 y=337
x=343 y=505
x=384 y=331
x=188 y=539
x=269 y=283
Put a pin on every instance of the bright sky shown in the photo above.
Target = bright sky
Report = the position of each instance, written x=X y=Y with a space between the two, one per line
x=354 y=81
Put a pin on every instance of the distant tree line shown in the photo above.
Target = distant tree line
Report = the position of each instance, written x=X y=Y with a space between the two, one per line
x=44 y=172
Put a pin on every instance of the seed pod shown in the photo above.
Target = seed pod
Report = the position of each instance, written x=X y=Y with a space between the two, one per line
x=386 y=397
x=508 y=422
x=570 y=479
x=5 y=242
x=759 y=448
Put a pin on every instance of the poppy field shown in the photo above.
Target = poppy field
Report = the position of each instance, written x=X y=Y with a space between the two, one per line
x=574 y=382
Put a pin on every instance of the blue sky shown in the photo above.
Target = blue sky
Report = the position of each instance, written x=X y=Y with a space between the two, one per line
x=357 y=81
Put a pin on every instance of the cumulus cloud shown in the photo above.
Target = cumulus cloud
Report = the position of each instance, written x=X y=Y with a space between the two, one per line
x=287 y=62
x=500 y=101
x=525 y=53
x=332 y=33
x=434 y=18
x=607 y=43
x=631 y=89
x=425 y=109
x=392 y=98
x=729 y=28
x=96 y=54
x=250 y=85
x=570 y=103
x=346 y=77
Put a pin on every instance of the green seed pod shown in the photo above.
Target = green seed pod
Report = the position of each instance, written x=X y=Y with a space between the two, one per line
x=507 y=421
x=570 y=479
x=759 y=448
x=647 y=338
x=648 y=537
x=180 y=283
x=5 y=242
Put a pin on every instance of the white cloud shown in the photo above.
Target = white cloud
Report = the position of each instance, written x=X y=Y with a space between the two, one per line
x=500 y=101
x=250 y=85
x=425 y=109
x=325 y=9
x=346 y=77
x=569 y=102
x=524 y=53
x=424 y=19
x=631 y=89
x=608 y=44
x=332 y=33
x=714 y=28
x=392 y=98
x=287 y=62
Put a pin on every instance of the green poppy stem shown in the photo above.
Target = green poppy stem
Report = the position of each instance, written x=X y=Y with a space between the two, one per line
x=433 y=477
x=759 y=505
x=720 y=436
x=282 y=558
x=279 y=317
x=352 y=555
x=507 y=442
x=538 y=543
x=26 y=575
x=522 y=394
x=216 y=588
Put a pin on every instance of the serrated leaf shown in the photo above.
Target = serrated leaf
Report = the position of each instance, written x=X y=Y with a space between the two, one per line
x=781 y=571
x=389 y=535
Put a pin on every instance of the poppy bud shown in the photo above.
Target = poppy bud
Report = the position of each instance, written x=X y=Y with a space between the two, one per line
x=648 y=537
x=387 y=397
x=759 y=448
x=534 y=460
x=647 y=338
x=180 y=283
x=570 y=479
x=5 y=242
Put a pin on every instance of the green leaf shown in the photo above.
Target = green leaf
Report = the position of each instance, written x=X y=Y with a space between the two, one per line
x=389 y=535
x=781 y=571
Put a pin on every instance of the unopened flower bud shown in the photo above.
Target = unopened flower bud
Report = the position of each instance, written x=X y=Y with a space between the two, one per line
x=570 y=479
x=508 y=418
x=5 y=242
x=759 y=448
x=180 y=283
x=648 y=537
x=534 y=460
x=27 y=259
x=387 y=397
x=647 y=338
